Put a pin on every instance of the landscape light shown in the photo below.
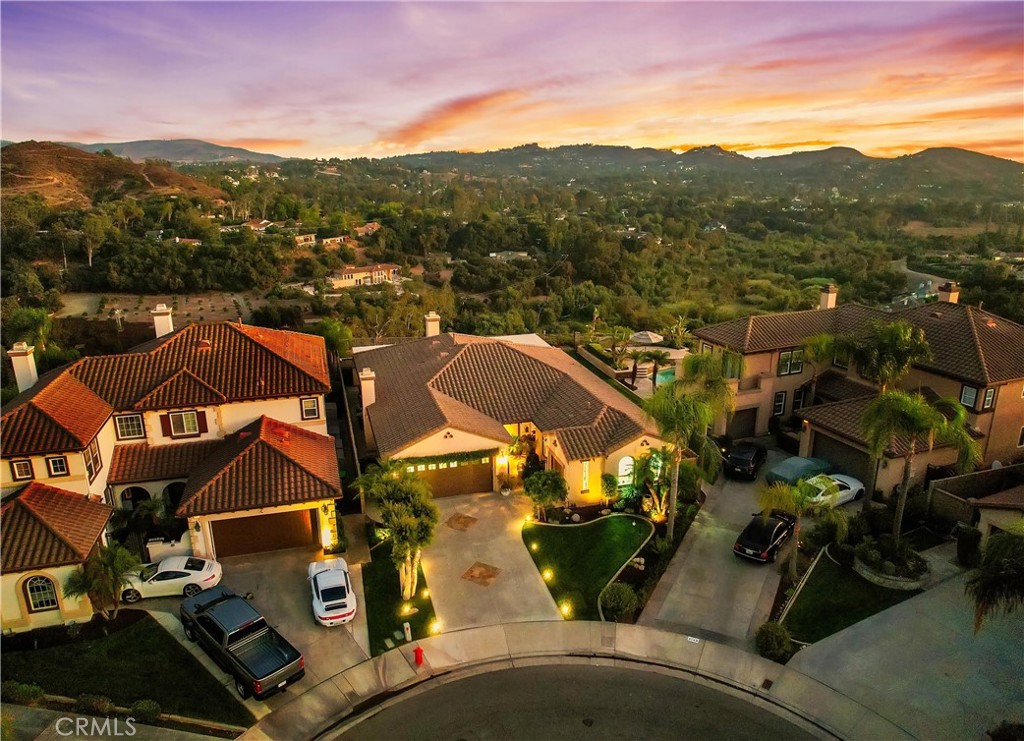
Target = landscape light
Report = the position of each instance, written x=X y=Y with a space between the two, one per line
x=566 y=609
x=548 y=574
x=425 y=593
x=534 y=547
x=406 y=608
x=435 y=626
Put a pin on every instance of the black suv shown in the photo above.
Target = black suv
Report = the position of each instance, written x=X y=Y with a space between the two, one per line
x=745 y=460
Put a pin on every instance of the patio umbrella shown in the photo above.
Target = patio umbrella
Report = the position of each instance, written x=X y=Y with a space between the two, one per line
x=646 y=338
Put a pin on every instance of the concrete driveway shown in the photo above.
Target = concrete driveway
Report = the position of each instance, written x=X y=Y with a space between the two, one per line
x=488 y=534
x=707 y=592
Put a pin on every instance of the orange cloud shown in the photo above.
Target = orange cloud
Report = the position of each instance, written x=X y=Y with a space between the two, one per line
x=450 y=115
x=261 y=143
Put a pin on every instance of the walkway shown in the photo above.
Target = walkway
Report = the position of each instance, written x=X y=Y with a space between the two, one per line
x=49 y=725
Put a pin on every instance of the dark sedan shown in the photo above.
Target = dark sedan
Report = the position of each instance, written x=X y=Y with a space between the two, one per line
x=745 y=460
x=762 y=538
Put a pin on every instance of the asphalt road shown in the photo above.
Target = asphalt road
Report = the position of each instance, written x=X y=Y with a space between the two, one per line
x=573 y=702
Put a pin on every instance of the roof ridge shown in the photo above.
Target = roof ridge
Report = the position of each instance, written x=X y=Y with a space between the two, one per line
x=238 y=329
x=46 y=523
x=750 y=331
x=36 y=407
x=182 y=370
x=291 y=460
x=246 y=447
x=977 y=344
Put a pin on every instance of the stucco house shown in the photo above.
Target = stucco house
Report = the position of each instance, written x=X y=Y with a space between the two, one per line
x=366 y=275
x=47 y=533
x=451 y=405
x=976 y=358
x=221 y=400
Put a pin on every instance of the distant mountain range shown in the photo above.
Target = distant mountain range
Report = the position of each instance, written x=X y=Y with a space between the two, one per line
x=65 y=176
x=179 y=151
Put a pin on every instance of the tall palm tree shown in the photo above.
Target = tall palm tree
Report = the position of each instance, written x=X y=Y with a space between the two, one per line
x=618 y=338
x=683 y=411
x=998 y=584
x=376 y=475
x=897 y=414
x=801 y=500
x=819 y=352
x=659 y=359
x=408 y=511
x=103 y=577
x=886 y=353
x=637 y=356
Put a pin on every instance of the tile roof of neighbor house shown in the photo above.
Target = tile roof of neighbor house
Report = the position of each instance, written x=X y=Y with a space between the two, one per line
x=833 y=386
x=1008 y=499
x=381 y=267
x=480 y=384
x=44 y=526
x=144 y=462
x=967 y=343
x=199 y=365
x=267 y=463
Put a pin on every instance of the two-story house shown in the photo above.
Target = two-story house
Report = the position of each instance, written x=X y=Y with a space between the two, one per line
x=452 y=405
x=366 y=275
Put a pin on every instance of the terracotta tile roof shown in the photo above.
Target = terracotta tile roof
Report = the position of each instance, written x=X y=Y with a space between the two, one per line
x=145 y=462
x=967 y=343
x=763 y=332
x=201 y=364
x=833 y=386
x=265 y=464
x=1008 y=499
x=59 y=413
x=44 y=526
x=494 y=383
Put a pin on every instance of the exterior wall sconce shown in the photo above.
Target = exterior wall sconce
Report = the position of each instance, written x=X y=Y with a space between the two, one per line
x=644 y=444
x=196 y=526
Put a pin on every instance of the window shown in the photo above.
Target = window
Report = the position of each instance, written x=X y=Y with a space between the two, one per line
x=183 y=423
x=779 y=405
x=93 y=460
x=57 y=466
x=586 y=476
x=1020 y=438
x=798 y=398
x=705 y=347
x=969 y=396
x=21 y=470
x=41 y=594
x=841 y=360
x=311 y=408
x=129 y=427
x=989 y=399
x=791 y=362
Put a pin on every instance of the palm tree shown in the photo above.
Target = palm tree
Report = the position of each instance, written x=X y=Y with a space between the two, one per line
x=659 y=359
x=103 y=577
x=801 y=500
x=897 y=414
x=679 y=333
x=408 y=511
x=650 y=473
x=888 y=350
x=618 y=338
x=371 y=483
x=998 y=584
x=637 y=356
x=684 y=411
x=545 y=488
x=819 y=351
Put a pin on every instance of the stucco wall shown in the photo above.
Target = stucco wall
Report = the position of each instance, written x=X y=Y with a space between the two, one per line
x=996 y=518
x=448 y=440
x=14 y=605
x=77 y=480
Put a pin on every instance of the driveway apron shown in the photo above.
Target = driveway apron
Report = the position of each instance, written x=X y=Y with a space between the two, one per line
x=478 y=570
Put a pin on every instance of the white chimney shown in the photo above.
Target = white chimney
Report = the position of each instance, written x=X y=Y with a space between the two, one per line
x=24 y=363
x=432 y=324
x=162 y=321
x=368 y=392
x=949 y=292
x=829 y=294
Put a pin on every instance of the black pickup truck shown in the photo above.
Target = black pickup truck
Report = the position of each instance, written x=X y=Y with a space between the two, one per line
x=237 y=637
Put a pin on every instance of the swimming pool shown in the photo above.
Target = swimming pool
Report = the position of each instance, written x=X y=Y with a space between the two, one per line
x=666 y=375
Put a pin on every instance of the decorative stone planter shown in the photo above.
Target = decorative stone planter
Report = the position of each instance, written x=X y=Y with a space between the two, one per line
x=901 y=583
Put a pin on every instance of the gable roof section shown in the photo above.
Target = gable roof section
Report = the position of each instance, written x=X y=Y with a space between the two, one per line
x=58 y=414
x=764 y=332
x=199 y=365
x=1007 y=499
x=44 y=526
x=145 y=462
x=479 y=384
x=265 y=464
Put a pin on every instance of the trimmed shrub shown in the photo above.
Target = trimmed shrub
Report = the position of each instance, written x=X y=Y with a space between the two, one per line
x=20 y=693
x=619 y=603
x=94 y=704
x=145 y=711
x=888 y=568
x=843 y=553
x=773 y=642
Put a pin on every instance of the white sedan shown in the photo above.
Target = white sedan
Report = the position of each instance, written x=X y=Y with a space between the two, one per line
x=178 y=575
x=844 y=488
x=334 y=601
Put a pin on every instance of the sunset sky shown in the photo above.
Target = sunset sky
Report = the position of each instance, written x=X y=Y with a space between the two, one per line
x=370 y=79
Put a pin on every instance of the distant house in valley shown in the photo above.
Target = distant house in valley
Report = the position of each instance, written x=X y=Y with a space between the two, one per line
x=368 y=229
x=305 y=239
x=259 y=225
x=715 y=226
x=509 y=256
x=333 y=242
x=190 y=242
x=366 y=275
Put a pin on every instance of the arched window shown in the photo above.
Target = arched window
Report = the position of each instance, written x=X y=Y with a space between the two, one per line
x=41 y=594
x=132 y=496
x=173 y=493
x=626 y=471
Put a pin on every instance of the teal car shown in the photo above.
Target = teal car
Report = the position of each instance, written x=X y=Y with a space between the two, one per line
x=792 y=470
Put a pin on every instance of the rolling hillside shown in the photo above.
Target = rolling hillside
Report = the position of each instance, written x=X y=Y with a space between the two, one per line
x=179 y=151
x=67 y=176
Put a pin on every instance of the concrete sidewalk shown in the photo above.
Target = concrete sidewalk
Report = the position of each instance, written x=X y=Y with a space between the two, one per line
x=42 y=724
x=773 y=686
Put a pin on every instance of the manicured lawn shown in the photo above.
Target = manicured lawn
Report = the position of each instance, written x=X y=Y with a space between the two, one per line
x=583 y=558
x=836 y=597
x=142 y=661
x=383 y=596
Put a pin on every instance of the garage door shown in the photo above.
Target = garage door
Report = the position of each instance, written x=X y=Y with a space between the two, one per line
x=743 y=423
x=465 y=478
x=264 y=532
x=845 y=458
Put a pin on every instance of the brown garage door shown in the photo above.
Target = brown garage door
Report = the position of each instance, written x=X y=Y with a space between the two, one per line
x=845 y=458
x=264 y=532
x=743 y=423
x=466 y=478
